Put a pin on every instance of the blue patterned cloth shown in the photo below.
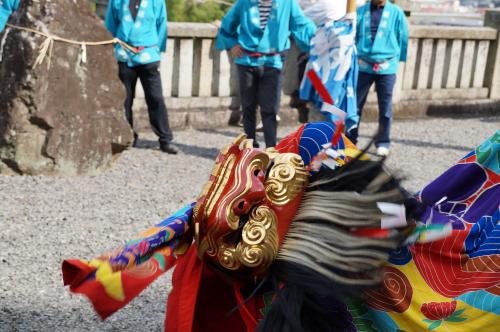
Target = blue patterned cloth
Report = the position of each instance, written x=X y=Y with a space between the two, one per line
x=147 y=31
x=241 y=26
x=7 y=7
x=333 y=57
x=382 y=54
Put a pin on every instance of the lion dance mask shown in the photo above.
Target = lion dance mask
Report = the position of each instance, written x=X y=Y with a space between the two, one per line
x=284 y=238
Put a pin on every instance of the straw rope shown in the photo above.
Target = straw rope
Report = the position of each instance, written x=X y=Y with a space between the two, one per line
x=45 y=49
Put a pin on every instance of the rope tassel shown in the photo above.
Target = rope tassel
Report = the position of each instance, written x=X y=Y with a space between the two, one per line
x=45 y=47
x=84 y=53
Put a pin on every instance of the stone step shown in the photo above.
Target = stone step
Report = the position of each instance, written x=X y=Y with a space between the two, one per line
x=216 y=118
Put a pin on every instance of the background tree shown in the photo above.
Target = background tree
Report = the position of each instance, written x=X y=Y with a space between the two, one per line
x=197 y=10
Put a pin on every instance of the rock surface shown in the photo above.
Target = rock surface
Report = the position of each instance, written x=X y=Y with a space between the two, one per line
x=63 y=120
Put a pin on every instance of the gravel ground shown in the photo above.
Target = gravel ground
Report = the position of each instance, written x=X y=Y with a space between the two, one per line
x=46 y=219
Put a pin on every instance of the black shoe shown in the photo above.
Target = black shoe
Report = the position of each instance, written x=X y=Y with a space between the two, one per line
x=303 y=115
x=352 y=135
x=168 y=148
x=234 y=118
x=134 y=143
x=295 y=101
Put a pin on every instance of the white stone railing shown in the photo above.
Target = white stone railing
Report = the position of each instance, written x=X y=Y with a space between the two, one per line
x=443 y=63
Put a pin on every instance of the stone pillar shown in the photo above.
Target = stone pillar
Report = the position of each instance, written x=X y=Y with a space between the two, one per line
x=492 y=78
x=67 y=119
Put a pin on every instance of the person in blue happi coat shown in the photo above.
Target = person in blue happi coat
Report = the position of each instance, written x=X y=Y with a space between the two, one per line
x=382 y=41
x=257 y=34
x=143 y=25
x=7 y=7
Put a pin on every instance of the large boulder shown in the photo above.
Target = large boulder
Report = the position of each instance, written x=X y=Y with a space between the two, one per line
x=67 y=119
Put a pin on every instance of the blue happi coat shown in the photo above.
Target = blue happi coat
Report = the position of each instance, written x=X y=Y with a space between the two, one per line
x=148 y=30
x=333 y=58
x=241 y=25
x=382 y=54
x=6 y=9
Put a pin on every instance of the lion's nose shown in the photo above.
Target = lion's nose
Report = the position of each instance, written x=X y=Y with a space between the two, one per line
x=253 y=197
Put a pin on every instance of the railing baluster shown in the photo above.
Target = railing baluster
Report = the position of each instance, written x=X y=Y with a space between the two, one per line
x=454 y=63
x=167 y=68
x=480 y=68
x=186 y=68
x=467 y=64
x=425 y=64
x=411 y=60
x=224 y=75
x=439 y=65
x=206 y=68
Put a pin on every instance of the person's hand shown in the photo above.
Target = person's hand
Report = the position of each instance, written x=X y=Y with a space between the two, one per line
x=237 y=51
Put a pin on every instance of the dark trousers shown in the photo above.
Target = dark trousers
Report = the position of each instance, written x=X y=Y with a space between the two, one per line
x=301 y=65
x=260 y=86
x=384 y=85
x=151 y=82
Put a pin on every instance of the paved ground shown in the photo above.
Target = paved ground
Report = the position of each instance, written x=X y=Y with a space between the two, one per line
x=46 y=219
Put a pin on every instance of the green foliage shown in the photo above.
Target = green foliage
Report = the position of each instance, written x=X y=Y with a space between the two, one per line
x=196 y=10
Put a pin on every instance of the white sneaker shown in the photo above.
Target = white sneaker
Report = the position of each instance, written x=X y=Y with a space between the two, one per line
x=260 y=126
x=382 y=151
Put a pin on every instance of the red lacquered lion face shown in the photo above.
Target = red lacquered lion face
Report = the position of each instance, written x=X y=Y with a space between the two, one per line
x=245 y=208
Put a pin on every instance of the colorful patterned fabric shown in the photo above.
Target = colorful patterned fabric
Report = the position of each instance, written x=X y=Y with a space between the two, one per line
x=114 y=279
x=311 y=138
x=452 y=284
x=438 y=284
x=333 y=58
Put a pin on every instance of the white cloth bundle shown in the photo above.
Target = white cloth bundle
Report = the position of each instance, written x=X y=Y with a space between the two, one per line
x=322 y=10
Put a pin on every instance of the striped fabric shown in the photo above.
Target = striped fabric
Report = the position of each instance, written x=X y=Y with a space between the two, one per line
x=265 y=7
